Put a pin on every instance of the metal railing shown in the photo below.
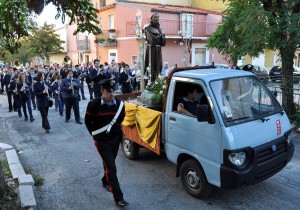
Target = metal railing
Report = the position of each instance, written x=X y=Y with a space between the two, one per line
x=83 y=45
x=278 y=92
x=172 y=27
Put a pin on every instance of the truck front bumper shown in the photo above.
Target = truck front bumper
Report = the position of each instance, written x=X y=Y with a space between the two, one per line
x=264 y=164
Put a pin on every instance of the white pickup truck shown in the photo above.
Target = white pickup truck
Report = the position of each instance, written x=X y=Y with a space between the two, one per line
x=240 y=136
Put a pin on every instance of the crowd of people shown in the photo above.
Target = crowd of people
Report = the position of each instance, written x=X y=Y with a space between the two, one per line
x=63 y=85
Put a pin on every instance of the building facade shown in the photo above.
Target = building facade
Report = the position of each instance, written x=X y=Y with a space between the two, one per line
x=186 y=28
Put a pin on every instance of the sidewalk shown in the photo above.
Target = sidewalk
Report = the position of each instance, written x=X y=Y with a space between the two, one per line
x=8 y=146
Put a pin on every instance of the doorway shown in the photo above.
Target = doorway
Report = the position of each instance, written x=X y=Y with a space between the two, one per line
x=200 y=54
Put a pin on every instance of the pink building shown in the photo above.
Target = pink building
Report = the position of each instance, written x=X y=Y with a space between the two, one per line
x=120 y=41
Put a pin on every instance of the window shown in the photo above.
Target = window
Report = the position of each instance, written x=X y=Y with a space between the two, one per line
x=182 y=90
x=112 y=55
x=243 y=99
x=134 y=59
x=187 y=25
x=100 y=23
x=111 y=25
x=102 y=3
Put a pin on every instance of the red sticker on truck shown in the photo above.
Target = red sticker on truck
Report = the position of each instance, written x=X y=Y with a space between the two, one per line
x=278 y=126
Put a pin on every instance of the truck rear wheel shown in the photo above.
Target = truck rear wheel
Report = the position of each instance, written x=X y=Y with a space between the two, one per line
x=130 y=149
x=194 y=179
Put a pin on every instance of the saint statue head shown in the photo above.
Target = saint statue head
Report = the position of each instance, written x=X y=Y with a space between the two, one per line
x=154 y=20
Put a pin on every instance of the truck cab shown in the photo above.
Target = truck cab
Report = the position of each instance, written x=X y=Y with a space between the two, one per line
x=240 y=135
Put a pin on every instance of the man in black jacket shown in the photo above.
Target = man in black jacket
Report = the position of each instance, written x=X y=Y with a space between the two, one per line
x=79 y=74
x=97 y=75
x=103 y=119
x=125 y=80
x=7 y=78
x=70 y=94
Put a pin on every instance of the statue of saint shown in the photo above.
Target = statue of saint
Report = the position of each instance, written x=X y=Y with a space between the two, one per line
x=155 y=39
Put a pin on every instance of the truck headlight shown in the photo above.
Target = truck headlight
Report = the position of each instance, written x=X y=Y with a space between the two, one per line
x=291 y=136
x=237 y=158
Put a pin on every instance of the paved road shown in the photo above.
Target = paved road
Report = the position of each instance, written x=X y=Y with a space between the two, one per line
x=72 y=169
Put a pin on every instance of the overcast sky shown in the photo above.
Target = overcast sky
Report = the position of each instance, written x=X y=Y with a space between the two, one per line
x=48 y=16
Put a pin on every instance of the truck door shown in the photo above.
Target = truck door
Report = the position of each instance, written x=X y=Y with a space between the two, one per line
x=185 y=135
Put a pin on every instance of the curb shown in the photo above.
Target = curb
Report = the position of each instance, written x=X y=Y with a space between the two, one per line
x=25 y=191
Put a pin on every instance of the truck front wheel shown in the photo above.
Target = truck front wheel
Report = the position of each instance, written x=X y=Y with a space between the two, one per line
x=130 y=149
x=194 y=179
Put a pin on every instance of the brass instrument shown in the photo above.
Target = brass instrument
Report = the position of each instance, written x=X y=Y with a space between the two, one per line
x=47 y=78
x=100 y=71
x=46 y=88
x=17 y=62
x=72 y=84
x=67 y=62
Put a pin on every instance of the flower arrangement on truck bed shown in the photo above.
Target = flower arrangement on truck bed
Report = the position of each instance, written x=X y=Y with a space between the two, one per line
x=157 y=90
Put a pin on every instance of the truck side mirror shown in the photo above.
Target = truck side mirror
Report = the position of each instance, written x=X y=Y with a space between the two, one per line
x=204 y=114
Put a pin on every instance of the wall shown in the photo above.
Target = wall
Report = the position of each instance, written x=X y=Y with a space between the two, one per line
x=173 y=53
x=62 y=33
x=73 y=53
x=217 y=6
x=57 y=58
x=269 y=58
x=186 y=3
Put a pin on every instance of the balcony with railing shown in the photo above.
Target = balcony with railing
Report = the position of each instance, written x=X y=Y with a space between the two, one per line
x=107 y=38
x=83 y=45
x=172 y=27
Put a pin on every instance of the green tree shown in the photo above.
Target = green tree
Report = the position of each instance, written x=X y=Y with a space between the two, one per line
x=16 y=18
x=24 y=54
x=249 y=27
x=43 y=41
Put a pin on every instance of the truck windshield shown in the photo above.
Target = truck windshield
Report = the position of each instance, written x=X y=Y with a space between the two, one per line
x=243 y=99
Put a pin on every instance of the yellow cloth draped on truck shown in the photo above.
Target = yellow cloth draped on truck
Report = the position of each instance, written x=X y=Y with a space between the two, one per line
x=147 y=122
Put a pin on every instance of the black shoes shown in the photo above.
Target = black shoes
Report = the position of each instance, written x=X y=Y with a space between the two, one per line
x=34 y=108
x=47 y=131
x=66 y=121
x=121 y=203
x=106 y=187
x=26 y=119
x=32 y=119
x=20 y=115
x=79 y=122
x=84 y=99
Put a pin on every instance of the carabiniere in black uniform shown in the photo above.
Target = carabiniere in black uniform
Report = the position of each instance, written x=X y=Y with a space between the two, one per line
x=98 y=115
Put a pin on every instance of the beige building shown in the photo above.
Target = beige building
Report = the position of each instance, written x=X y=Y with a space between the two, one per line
x=59 y=57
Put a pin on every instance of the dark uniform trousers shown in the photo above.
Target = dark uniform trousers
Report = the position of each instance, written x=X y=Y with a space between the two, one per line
x=9 y=99
x=72 y=102
x=108 y=151
x=44 y=115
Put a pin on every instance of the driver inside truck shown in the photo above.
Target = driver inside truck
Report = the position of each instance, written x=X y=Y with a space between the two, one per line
x=193 y=97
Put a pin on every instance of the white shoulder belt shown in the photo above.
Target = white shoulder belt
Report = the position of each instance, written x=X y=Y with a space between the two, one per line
x=108 y=126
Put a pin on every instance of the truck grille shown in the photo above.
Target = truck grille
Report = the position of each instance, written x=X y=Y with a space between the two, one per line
x=269 y=162
x=268 y=154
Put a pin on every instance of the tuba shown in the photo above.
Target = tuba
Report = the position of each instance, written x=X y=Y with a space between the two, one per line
x=67 y=61
x=17 y=62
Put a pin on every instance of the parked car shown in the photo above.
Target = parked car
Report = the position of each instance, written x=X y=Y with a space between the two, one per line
x=276 y=74
x=260 y=71
x=217 y=65
x=221 y=66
